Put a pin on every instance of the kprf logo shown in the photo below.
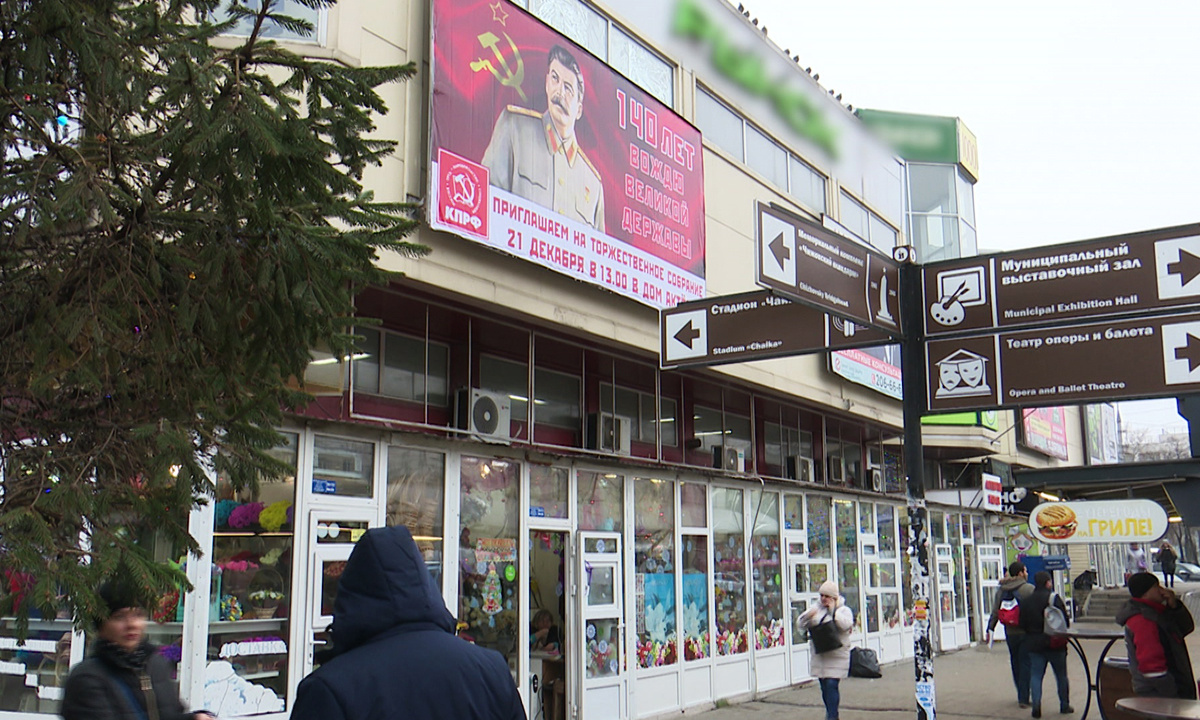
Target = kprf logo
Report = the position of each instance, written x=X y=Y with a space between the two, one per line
x=464 y=193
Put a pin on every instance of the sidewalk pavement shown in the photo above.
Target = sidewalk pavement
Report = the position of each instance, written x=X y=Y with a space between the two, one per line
x=975 y=682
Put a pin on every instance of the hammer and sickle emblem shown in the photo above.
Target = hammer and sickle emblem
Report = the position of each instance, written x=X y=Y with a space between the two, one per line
x=509 y=78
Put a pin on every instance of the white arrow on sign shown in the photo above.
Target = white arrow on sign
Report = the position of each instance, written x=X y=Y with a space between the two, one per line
x=1181 y=353
x=1177 y=262
x=686 y=335
x=778 y=248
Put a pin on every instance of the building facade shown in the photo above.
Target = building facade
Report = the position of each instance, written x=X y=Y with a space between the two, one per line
x=507 y=403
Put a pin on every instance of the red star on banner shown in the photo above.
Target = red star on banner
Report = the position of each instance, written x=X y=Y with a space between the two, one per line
x=499 y=14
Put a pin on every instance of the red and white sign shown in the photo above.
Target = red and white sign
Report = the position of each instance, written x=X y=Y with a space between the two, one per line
x=993 y=493
x=542 y=151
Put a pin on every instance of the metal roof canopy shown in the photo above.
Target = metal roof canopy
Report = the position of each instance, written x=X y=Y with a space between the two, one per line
x=1174 y=484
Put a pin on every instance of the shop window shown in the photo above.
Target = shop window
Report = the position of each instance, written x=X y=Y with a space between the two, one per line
x=639 y=407
x=251 y=589
x=696 y=610
x=869 y=227
x=693 y=504
x=325 y=373
x=720 y=125
x=607 y=41
x=654 y=560
x=793 y=513
x=849 y=581
x=273 y=30
x=601 y=504
x=887 y=532
x=731 y=132
x=556 y=399
x=412 y=369
x=343 y=468
x=787 y=449
x=416 y=482
x=507 y=378
x=549 y=492
x=765 y=157
x=729 y=577
x=937 y=527
x=866 y=518
x=489 y=570
x=820 y=525
x=766 y=570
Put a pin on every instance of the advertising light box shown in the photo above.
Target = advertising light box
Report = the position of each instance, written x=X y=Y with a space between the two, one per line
x=1098 y=521
x=542 y=151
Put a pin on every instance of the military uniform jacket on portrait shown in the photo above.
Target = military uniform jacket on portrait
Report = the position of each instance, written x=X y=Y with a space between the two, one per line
x=528 y=158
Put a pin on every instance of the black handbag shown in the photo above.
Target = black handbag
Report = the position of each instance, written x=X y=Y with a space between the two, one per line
x=864 y=663
x=825 y=637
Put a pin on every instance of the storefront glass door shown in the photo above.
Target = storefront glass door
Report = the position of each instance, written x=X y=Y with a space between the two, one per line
x=601 y=601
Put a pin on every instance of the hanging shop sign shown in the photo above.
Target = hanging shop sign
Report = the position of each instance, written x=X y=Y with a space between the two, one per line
x=1098 y=521
x=541 y=151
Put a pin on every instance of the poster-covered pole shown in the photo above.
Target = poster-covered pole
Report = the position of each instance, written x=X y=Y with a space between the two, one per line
x=914 y=383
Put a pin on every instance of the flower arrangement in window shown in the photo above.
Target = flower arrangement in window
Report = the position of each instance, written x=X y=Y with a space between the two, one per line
x=274 y=516
x=265 y=602
x=245 y=515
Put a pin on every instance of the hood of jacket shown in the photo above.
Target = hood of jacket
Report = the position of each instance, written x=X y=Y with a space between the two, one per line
x=1009 y=584
x=1134 y=606
x=385 y=586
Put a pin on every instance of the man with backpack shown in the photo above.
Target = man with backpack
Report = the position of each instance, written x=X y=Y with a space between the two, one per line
x=1044 y=620
x=1156 y=623
x=1006 y=611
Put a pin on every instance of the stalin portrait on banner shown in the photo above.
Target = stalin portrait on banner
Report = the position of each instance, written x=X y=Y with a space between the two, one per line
x=536 y=155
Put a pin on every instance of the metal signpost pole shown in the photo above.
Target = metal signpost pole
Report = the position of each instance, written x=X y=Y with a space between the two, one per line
x=913 y=353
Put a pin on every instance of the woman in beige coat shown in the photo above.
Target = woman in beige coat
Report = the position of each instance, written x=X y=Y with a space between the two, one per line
x=830 y=667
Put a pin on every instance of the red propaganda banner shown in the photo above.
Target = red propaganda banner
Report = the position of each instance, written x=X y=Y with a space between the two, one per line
x=542 y=151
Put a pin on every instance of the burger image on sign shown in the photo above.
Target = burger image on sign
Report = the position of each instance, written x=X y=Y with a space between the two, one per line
x=1054 y=521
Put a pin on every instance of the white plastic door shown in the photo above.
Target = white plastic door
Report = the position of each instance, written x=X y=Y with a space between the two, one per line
x=331 y=538
x=604 y=693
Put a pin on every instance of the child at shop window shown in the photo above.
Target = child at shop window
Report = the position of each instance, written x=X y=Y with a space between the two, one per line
x=544 y=635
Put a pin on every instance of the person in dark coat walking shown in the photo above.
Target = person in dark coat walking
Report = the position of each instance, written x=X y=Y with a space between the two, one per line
x=1043 y=649
x=1155 y=625
x=1014 y=587
x=1167 y=557
x=394 y=651
x=125 y=676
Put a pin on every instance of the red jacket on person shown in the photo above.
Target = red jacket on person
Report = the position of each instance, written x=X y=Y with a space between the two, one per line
x=1158 y=659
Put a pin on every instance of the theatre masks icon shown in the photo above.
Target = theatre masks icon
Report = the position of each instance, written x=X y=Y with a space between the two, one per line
x=962 y=374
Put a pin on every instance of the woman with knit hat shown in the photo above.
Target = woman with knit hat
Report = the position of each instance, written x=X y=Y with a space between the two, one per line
x=125 y=678
x=831 y=666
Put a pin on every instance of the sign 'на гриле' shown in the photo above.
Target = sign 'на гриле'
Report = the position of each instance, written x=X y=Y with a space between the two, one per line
x=1098 y=521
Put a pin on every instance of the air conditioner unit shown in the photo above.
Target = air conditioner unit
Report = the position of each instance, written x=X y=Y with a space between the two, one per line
x=731 y=455
x=796 y=467
x=877 y=480
x=606 y=431
x=488 y=415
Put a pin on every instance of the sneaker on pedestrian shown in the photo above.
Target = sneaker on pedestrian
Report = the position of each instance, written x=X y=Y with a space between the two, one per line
x=1066 y=709
x=1037 y=711
x=1022 y=703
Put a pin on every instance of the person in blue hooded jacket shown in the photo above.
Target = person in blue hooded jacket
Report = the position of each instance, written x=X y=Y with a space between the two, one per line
x=394 y=651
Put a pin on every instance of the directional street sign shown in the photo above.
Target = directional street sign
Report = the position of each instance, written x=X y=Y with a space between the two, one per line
x=1118 y=359
x=753 y=326
x=812 y=265
x=1125 y=275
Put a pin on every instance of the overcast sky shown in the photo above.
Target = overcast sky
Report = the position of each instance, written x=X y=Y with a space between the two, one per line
x=1087 y=113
